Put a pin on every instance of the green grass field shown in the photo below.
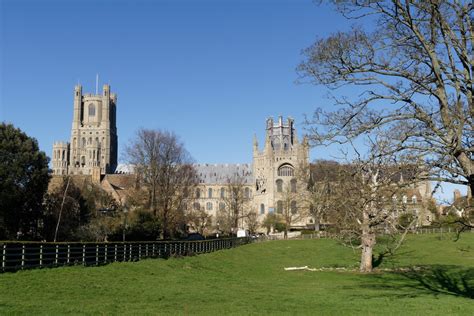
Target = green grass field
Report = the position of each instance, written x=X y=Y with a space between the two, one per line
x=251 y=280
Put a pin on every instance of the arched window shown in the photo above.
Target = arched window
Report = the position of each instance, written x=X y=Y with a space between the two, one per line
x=279 y=207
x=222 y=193
x=198 y=193
x=294 y=207
x=83 y=142
x=197 y=206
x=286 y=171
x=221 y=206
x=404 y=199
x=209 y=193
x=279 y=184
x=247 y=193
x=293 y=185
x=414 y=199
x=91 y=109
x=262 y=208
x=209 y=206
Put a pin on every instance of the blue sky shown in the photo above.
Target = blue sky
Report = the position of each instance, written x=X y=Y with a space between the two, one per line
x=211 y=70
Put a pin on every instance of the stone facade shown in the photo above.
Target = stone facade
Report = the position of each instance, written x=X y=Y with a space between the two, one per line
x=264 y=181
x=92 y=149
x=275 y=170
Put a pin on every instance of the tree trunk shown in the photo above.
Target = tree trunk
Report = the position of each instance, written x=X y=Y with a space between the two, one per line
x=471 y=184
x=368 y=243
x=285 y=234
x=164 y=230
x=316 y=225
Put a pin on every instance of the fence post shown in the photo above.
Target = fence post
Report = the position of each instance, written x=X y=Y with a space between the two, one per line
x=41 y=255
x=96 y=254
x=4 y=256
x=130 y=256
x=115 y=252
x=153 y=250
x=139 y=251
x=124 y=248
x=84 y=254
x=68 y=253
x=146 y=250
x=22 y=256
x=105 y=253
x=56 y=254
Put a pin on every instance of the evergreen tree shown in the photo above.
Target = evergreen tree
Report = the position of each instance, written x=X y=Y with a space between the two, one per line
x=23 y=183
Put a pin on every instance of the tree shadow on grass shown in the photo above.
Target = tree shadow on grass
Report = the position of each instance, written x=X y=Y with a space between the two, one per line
x=451 y=280
x=389 y=259
x=430 y=279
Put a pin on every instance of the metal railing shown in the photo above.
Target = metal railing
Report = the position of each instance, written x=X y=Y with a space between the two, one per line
x=27 y=255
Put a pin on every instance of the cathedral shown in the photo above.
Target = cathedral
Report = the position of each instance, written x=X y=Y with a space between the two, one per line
x=93 y=144
x=274 y=181
x=267 y=181
x=92 y=154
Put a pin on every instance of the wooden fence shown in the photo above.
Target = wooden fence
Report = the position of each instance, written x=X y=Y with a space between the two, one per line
x=27 y=255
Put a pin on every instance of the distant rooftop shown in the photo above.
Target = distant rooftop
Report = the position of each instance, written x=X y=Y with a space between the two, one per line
x=224 y=173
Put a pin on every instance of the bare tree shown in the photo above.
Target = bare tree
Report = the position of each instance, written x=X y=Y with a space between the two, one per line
x=165 y=168
x=319 y=179
x=252 y=222
x=414 y=68
x=290 y=206
x=364 y=202
x=236 y=203
x=199 y=220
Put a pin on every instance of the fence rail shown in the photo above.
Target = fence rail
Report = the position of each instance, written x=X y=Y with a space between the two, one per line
x=27 y=255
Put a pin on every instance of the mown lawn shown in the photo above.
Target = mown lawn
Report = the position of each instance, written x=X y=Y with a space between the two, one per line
x=251 y=280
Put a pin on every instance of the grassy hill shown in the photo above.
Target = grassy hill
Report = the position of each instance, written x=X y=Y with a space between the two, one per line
x=251 y=280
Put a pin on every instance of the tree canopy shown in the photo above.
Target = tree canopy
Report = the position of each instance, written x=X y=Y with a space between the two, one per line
x=23 y=183
x=414 y=64
x=165 y=168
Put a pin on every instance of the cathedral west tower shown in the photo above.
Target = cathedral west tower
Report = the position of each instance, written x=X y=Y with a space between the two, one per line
x=92 y=149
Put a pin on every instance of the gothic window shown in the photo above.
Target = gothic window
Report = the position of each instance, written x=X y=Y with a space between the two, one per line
x=279 y=184
x=83 y=142
x=286 y=171
x=293 y=185
x=293 y=207
x=209 y=206
x=91 y=109
x=222 y=193
x=262 y=208
x=209 y=193
x=279 y=207
x=404 y=199
x=414 y=199
x=198 y=193
x=197 y=206
x=74 y=142
x=221 y=206
x=247 y=193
